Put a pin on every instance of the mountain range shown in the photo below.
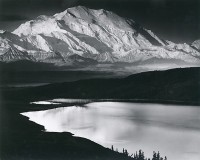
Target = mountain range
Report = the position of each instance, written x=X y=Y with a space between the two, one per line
x=93 y=39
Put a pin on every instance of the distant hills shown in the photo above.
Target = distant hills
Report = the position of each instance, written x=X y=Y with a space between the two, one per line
x=171 y=86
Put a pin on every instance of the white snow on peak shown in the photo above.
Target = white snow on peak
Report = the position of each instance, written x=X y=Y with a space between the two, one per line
x=2 y=31
x=97 y=35
x=43 y=17
x=101 y=17
x=38 y=26
x=39 y=42
x=196 y=44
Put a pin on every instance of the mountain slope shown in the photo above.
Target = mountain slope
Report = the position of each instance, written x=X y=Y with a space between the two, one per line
x=196 y=44
x=172 y=86
x=96 y=36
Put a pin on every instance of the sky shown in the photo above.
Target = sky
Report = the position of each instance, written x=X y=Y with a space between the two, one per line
x=175 y=20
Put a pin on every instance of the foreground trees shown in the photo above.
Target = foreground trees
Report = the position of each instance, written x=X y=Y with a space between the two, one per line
x=140 y=155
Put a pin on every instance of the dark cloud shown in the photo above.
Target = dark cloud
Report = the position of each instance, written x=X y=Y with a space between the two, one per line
x=70 y=3
x=12 y=18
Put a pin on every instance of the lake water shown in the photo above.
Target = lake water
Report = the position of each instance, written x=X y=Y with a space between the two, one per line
x=172 y=130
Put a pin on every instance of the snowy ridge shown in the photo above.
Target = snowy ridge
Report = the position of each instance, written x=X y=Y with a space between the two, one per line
x=196 y=44
x=2 y=31
x=82 y=35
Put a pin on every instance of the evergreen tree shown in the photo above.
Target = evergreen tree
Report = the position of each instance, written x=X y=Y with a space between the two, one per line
x=158 y=156
x=154 y=156
x=141 y=155
x=112 y=148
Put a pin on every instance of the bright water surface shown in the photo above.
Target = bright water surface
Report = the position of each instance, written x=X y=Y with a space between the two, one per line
x=172 y=130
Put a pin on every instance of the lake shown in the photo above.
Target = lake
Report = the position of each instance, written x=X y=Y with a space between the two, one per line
x=171 y=129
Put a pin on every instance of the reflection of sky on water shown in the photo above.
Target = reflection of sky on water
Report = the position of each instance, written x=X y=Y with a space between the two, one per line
x=172 y=130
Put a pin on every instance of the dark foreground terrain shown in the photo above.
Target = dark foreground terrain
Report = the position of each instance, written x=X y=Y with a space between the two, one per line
x=25 y=73
x=22 y=139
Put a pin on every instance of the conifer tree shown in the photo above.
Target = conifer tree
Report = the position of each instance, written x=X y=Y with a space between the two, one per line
x=154 y=156
x=158 y=156
x=112 y=148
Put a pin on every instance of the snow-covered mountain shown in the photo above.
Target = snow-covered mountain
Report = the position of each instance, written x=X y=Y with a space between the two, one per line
x=85 y=36
x=196 y=44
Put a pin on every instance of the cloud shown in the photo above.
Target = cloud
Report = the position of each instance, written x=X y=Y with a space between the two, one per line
x=69 y=3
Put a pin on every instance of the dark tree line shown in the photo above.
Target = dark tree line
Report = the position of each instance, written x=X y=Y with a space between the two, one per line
x=140 y=155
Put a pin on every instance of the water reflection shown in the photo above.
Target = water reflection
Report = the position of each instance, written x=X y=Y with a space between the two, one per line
x=172 y=130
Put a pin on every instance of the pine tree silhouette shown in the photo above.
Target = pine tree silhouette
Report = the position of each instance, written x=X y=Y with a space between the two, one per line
x=158 y=156
x=138 y=155
x=112 y=148
x=154 y=156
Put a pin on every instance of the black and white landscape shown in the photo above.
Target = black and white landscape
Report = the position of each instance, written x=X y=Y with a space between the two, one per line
x=90 y=39
x=83 y=82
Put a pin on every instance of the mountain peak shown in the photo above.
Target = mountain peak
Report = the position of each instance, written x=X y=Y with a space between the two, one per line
x=73 y=10
x=196 y=44
x=94 y=36
x=79 y=7
x=43 y=17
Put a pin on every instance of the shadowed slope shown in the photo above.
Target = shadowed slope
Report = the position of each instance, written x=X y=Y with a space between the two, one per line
x=173 y=86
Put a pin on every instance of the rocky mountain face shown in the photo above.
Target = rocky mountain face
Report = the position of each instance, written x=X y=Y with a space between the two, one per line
x=85 y=36
x=196 y=44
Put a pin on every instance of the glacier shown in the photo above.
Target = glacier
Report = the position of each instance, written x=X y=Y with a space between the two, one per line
x=88 y=37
